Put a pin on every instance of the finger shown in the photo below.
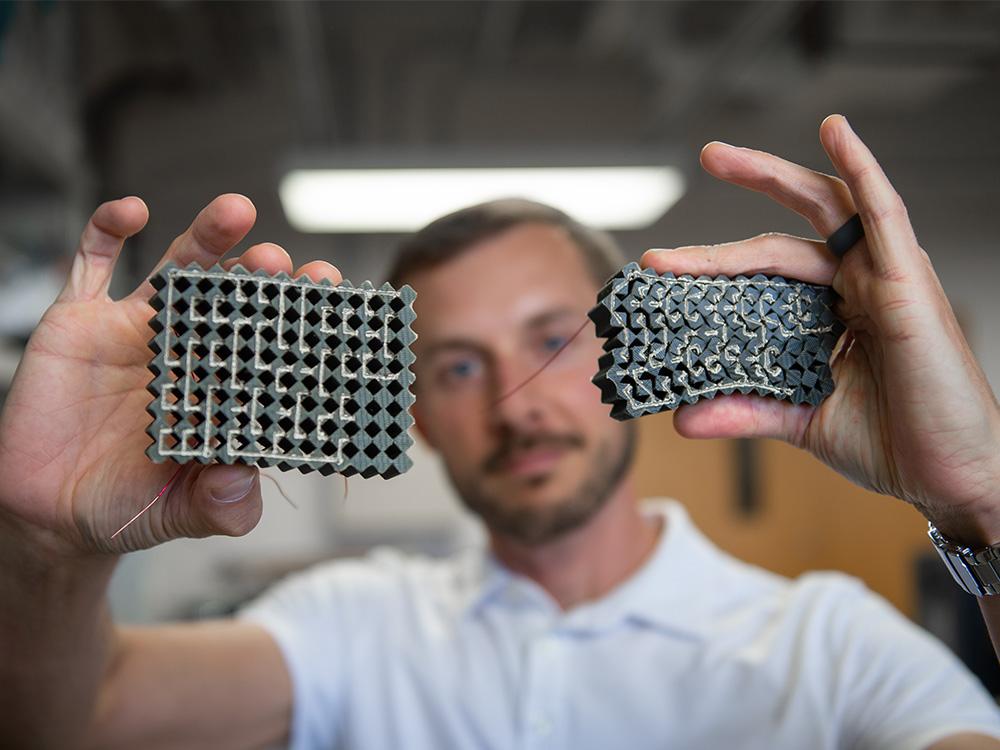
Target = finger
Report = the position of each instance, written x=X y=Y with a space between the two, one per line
x=266 y=256
x=823 y=200
x=225 y=499
x=890 y=237
x=740 y=416
x=220 y=225
x=771 y=254
x=100 y=245
x=318 y=270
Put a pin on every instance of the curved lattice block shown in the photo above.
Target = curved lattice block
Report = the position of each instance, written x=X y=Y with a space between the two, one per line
x=274 y=371
x=673 y=340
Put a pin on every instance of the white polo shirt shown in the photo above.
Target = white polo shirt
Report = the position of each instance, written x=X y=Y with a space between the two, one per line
x=695 y=650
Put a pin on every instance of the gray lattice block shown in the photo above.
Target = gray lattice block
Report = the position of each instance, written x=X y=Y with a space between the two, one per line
x=675 y=340
x=274 y=371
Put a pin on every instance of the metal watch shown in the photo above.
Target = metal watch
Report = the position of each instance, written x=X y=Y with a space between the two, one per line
x=976 y=571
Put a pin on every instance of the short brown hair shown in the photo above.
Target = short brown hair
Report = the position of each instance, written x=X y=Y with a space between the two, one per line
x=453 y=234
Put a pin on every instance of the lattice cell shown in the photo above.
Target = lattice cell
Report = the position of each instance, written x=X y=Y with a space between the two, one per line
x=675 y=340
x=273 y=371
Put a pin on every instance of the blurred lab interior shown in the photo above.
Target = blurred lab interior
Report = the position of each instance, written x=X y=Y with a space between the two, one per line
x=179 y=101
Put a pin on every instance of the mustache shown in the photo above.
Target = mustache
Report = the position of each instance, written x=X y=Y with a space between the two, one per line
x=516 y=442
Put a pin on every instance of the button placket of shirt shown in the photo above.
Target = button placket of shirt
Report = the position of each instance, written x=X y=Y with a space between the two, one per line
x=543 y=700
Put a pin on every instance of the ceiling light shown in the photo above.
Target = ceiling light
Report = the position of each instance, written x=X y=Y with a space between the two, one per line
x=403 y=199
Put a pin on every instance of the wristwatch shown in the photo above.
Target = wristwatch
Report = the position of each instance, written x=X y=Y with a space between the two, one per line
x=976 y=571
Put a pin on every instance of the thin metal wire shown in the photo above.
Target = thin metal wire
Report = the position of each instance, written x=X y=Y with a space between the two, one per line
x=281 y=490
x=150 y=504
x=547 y=362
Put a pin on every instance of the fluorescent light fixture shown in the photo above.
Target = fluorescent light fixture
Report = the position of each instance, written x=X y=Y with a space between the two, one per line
x=385 y=199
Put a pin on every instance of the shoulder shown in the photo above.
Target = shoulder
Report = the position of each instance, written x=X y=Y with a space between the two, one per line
x=829 y=611
x=830 y=596
x=850 y=615
x=815 y=614
x=739 y=586
x=382 y=581
x=829 y=631
x=742 y=608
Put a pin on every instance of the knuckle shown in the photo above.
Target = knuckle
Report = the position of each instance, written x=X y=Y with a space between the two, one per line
x=925 y=259
x=838 y=186
x=103 y=207
x=768 y=247
x=771 y=182
x=183 y=522
x=893 y=273
x=891 y=209
x=766 y=240
x=862 y=173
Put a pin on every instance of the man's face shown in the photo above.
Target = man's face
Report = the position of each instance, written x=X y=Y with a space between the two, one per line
x=533 y=456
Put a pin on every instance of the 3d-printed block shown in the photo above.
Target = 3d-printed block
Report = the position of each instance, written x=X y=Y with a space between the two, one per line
x=273 y=371
x=675 y=340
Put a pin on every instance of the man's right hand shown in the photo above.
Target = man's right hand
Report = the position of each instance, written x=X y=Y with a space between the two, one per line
x=73 y=467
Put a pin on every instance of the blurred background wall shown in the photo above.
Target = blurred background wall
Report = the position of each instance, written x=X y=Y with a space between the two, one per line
x=179 y=101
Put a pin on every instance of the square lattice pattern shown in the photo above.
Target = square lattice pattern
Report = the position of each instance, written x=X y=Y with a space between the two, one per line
x=274 y=371
x=675 y=340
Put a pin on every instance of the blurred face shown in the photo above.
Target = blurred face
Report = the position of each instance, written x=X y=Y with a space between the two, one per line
x=534 y=457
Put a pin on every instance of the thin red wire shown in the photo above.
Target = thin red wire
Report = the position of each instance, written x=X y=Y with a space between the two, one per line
x=547 y=362
x=150 y=504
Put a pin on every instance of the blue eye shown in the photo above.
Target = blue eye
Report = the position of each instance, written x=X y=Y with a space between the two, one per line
x=463 y=369
x=553 y=343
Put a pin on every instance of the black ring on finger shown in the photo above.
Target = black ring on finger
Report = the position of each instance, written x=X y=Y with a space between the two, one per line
x=846 y=236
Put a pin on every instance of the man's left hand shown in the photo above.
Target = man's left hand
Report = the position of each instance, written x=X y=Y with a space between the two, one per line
x=912 y=414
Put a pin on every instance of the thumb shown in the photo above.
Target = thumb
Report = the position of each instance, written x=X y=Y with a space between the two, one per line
x=224 y=500
x=739 y=416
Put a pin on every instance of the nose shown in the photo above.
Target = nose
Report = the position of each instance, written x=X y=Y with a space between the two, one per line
x=518 y=397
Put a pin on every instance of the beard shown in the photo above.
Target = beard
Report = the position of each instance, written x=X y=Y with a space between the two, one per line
x=534 y=526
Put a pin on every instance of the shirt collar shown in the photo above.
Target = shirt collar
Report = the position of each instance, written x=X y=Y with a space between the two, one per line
x=673 y=590
x=481 y=579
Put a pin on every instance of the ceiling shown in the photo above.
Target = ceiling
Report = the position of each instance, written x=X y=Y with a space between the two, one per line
x=177 y=101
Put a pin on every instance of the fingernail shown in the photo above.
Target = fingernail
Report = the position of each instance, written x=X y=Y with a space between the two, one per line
x=658 y=252
x=716 y=143
x=833 y=116
x=844 y=118
x=230 y=484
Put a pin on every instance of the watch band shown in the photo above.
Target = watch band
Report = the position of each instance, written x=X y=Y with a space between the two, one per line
x=976 y=571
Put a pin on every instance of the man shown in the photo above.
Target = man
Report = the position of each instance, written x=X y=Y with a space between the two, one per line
x=593 y=621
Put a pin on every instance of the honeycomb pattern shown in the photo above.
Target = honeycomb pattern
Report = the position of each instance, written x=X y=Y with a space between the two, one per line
x=675 y=340
x=273 y=371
